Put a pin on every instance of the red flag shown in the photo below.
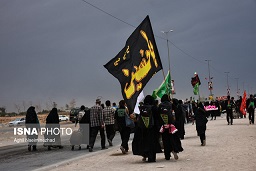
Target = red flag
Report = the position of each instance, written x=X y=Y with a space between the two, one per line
x=243 y=104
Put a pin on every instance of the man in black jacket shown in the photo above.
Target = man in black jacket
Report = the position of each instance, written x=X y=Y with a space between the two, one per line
x=229 y=104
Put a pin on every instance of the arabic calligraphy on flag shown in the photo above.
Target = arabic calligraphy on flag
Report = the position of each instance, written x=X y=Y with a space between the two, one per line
x=136 y=63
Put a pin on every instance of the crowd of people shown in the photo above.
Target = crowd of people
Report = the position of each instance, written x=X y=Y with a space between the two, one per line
x=159 y=127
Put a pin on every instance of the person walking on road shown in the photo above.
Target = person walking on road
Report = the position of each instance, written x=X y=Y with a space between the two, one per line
x=123 y=129
x=170 y=138
x=145 y=142
x=229 y=104
x=83 y=125
x=250 y=105
x=109 y=120
x=97 y=124
x=32 y=122
x=53 y=122
x=201 y=121
x=180 y=114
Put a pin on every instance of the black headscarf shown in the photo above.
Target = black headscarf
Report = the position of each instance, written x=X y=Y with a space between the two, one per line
x=53 y=116
x=31 y=116
x=149 y=100
x=165 y=98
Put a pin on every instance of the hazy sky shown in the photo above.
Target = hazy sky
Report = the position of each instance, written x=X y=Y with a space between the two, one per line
x=54 y=50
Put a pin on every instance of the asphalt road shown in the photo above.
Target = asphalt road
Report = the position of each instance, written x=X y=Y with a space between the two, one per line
x=17 y=157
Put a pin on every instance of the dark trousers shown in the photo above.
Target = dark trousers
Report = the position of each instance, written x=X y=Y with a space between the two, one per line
x=110 y=132
x=230 y=116
x=94 y=132
x=251 y=116
x=202 y=137
x=166 y=138
x=213 y=114
x=125 y=136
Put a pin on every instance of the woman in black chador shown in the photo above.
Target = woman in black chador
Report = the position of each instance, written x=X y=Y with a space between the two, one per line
x=32 y=122
x=170 y=138
x=145 y=142
x=52 y=135
x=201 y=121
x=179 y=117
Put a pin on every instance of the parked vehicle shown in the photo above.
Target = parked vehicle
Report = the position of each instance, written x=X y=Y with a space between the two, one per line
x=73 y=114
x=17 y=121
x=63 y=118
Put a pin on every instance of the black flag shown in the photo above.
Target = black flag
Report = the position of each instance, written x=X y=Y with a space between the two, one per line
x=136 y=63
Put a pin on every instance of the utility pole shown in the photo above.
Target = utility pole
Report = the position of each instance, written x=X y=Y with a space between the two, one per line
x=166 y=34
x=210 y=79
x=237 y=90
x=228 y=90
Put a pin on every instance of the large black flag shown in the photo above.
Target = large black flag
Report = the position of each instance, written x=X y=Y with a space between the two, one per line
x=136 y=63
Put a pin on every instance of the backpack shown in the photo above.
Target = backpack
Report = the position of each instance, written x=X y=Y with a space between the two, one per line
x=146 y=117
x=165 y=110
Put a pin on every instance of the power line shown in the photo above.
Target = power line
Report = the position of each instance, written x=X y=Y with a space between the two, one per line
x=136 y=27
x=107 y=13
x=187 y=54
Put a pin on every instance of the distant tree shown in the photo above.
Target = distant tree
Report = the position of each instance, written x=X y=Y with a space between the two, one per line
x=54 y=104
x=17 y=107
x=38 y=107
x=67 y=106
x=45 y=111
x=24 y=106
x=3 y=109
x=72 y=103
x=47 y=106
x=61 y=108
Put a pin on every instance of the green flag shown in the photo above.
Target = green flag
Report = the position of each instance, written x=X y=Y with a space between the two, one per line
x=164 y=88
x=195 y=81
x=196 y=89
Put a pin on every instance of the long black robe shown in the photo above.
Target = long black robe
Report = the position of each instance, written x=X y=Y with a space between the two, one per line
x=52 y=122
x=201 y=121
x=32 y=122
x=180 y=121
x=171 y=142
x=146 y=140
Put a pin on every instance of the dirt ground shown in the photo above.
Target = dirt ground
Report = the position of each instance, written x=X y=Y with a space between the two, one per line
x=228 y=147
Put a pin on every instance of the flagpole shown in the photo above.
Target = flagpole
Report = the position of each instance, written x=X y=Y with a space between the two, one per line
x=164 y=79
x=163 y=73
x=166 y=33
x=198 y=94
x=166 y=84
